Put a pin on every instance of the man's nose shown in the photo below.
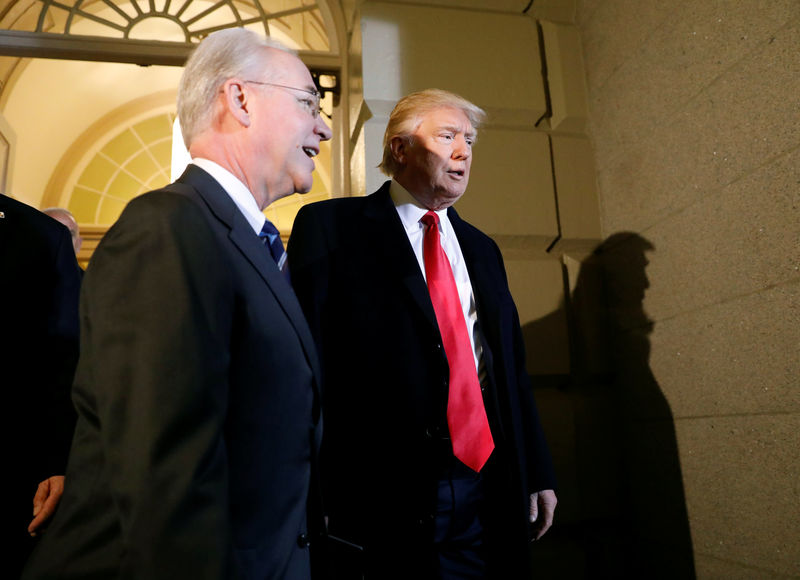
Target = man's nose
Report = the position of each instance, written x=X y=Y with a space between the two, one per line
x=321 y=128
x=461 y=149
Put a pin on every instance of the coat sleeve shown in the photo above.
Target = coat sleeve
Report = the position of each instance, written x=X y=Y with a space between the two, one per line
x=56 y=415
x=156 y=312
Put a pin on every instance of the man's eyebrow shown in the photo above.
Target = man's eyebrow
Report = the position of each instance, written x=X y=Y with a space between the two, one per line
x=456 y=129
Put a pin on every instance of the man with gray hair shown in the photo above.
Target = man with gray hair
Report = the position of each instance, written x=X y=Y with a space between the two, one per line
x=434 y=461
x=197 y=386
x=65 y=217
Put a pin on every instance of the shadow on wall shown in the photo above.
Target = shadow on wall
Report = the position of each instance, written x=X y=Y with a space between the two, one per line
x=621 y=501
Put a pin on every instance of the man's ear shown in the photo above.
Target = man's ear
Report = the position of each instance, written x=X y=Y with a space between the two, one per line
x=236 y=99
x=398 y=145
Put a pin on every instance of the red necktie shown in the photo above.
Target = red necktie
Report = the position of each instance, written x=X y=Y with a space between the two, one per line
x=466 y=416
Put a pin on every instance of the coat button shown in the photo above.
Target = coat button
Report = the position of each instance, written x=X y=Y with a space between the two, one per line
x=303 y=540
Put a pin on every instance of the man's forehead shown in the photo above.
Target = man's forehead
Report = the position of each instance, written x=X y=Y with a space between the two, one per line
x=288 y=69
x=447 y=118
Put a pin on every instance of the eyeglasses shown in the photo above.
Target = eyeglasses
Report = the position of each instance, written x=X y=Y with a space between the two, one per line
x=311 y=104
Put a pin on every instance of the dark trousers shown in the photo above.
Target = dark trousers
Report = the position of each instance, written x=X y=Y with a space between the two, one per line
x=452 y=548
x=458 y=534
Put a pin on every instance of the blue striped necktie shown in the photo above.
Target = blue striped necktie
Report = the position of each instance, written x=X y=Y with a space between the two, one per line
x=272 y=239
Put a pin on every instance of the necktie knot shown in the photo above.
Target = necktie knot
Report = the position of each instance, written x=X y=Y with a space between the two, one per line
x=430 y=219
x=268 y=229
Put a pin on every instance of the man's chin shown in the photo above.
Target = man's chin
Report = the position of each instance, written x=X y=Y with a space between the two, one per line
x=304 y=186
x=450 y=197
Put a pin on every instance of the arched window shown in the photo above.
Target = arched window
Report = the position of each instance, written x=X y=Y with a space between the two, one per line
x=91 y=129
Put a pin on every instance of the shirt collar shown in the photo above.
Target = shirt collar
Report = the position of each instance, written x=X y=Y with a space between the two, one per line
x=237 y=190
x=410 y=210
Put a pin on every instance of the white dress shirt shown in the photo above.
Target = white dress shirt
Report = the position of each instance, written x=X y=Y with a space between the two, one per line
x=237 y=191
x=411 y=212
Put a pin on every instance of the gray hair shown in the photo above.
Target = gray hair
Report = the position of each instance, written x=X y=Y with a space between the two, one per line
x=54 y=211
x=64 y=216
x=222 y=55
x=408 y=113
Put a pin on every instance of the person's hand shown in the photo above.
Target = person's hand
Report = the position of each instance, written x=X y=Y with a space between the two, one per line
x=48 y=494
x=543 y=505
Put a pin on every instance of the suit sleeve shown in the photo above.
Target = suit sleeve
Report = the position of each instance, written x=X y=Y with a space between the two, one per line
x=56 y=415
x=156 y=312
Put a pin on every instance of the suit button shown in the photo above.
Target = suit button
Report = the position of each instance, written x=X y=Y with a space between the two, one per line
x=303 y=540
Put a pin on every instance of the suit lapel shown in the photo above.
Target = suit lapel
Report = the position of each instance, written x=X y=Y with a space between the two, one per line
x=394 y=249
x=244 y=239
x=478 y=267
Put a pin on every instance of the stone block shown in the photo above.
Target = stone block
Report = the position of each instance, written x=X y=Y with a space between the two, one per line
x=742 y=491
x=553 y=10
x=576 y=189
x=490 y=58
x=683 y=102
x=614 y=32
x=511 y=186
x=741 y=356
x=538 y=290
x=565 y=77
x=732 y=242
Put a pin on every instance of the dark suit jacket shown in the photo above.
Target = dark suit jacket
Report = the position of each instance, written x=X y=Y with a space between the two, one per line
x=385 y=379
x=196 y=394
x=39 y=285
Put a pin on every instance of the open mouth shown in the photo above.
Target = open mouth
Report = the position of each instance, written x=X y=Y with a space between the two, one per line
x=456 y=172
x=310 y=152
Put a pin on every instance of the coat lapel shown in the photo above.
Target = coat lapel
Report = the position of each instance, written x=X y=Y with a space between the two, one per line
x=243 y=238
x=395 y=250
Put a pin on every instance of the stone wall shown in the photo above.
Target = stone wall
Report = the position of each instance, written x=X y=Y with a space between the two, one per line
x=694 y=117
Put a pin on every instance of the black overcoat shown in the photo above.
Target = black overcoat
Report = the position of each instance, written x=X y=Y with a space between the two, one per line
x=385 y=382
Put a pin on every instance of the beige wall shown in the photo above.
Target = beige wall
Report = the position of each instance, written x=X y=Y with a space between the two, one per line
x=694 y=116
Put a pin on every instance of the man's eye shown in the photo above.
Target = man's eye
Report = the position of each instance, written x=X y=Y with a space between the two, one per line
x=446 y=137
x=307 y=103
